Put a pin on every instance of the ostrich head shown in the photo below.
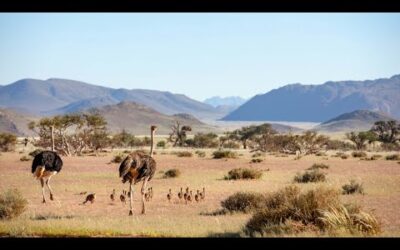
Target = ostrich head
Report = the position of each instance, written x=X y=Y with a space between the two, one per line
x=153 y=127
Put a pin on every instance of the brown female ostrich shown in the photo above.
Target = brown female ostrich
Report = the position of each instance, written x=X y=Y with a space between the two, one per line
x=44 y=166
x=137 y=167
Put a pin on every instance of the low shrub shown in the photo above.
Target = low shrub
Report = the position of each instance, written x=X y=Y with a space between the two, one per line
x=395 y=157
x=258 y=154
x=353 y=187
x=310 y=176
x=321 y=154
x=172 y=173
x=359 y=154
x=24 y=158
x=224 y=154
x=118 y=158
x=184 y=154
x=243 y=173
x=257 y=160
x=7 y=142
x=200 y=154
x=12 y=204
x=318 y=166
x=243 y=202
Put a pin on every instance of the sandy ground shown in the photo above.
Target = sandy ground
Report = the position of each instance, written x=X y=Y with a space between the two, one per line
x=67 y=216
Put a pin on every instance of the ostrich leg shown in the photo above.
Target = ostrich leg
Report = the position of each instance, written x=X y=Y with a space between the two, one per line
x=48 y=186
x=130 y=197
x=42 y=183
x=143 y=194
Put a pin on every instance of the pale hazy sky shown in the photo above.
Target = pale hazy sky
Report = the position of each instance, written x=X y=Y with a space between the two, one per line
x=199 y=54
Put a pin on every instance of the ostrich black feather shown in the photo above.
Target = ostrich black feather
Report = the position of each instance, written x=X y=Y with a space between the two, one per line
x=49 y=159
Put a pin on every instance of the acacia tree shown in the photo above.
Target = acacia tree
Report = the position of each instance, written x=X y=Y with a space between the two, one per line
x=262 y=137
x=361 y=139
x=72 y=133
x=178 y=134
x=386 y=131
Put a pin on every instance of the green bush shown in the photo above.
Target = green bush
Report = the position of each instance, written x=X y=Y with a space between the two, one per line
x=243 y=173
x=224 y=154
x=310 y=176
x=395 y=157
x=352 y=187
x=12 y=204
x=318 y=166
x=358 y=154
x=202 y=140
x=161 y=144
x=172 y=173
x=24 y=158
x=243 y=202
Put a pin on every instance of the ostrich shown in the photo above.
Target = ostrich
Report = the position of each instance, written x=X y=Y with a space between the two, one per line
x=169 y=195
x=90 y=197
x=137 y=167
x=112 y=196
x=44 y=166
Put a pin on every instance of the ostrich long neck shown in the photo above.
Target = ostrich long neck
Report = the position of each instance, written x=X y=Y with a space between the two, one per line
x=152 y=143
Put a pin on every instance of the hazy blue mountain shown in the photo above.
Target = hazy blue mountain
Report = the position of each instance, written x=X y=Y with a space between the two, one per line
x=359 y=120
x=317 y=103
x=60 y=95
x=234 y=101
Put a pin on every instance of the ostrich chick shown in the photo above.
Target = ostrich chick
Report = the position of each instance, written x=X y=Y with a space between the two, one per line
x=197 y=196
x=112 y=196
x=90 y=197
x=169 y=195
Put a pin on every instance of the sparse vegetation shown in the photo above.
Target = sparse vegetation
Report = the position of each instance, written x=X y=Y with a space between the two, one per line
x=310 y=176
x=353 y=187
x=243 y=202
x=359 y=154
x=172 y=173
x=224 y=154
x=258 y=154
x=318 y=166
x=12 y=204
x=243 y=173
x=394 y=157
x=7 y=142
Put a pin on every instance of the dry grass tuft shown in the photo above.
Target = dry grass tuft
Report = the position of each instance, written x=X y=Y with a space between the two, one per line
x=359 y=154
x=318 y=166
x=395 y=157
x=12 y=204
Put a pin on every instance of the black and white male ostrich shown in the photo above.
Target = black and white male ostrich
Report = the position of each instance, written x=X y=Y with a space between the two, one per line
x=44 y=166
x=136 y=167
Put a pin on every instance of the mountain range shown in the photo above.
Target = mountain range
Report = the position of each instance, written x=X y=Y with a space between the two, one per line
x=233 y=101
x=57 y=96
x=318 y=103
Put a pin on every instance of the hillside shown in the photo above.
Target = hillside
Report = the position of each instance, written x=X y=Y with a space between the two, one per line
x=358 y=120
x=58 y=96
x=317 y=103
x=137 y=118
x=15 y=123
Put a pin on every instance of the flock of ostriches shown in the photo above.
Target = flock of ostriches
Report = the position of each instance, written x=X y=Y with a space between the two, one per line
x=136 y=167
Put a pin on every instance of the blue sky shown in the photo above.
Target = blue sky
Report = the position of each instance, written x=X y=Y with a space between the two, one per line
x=199 y=54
